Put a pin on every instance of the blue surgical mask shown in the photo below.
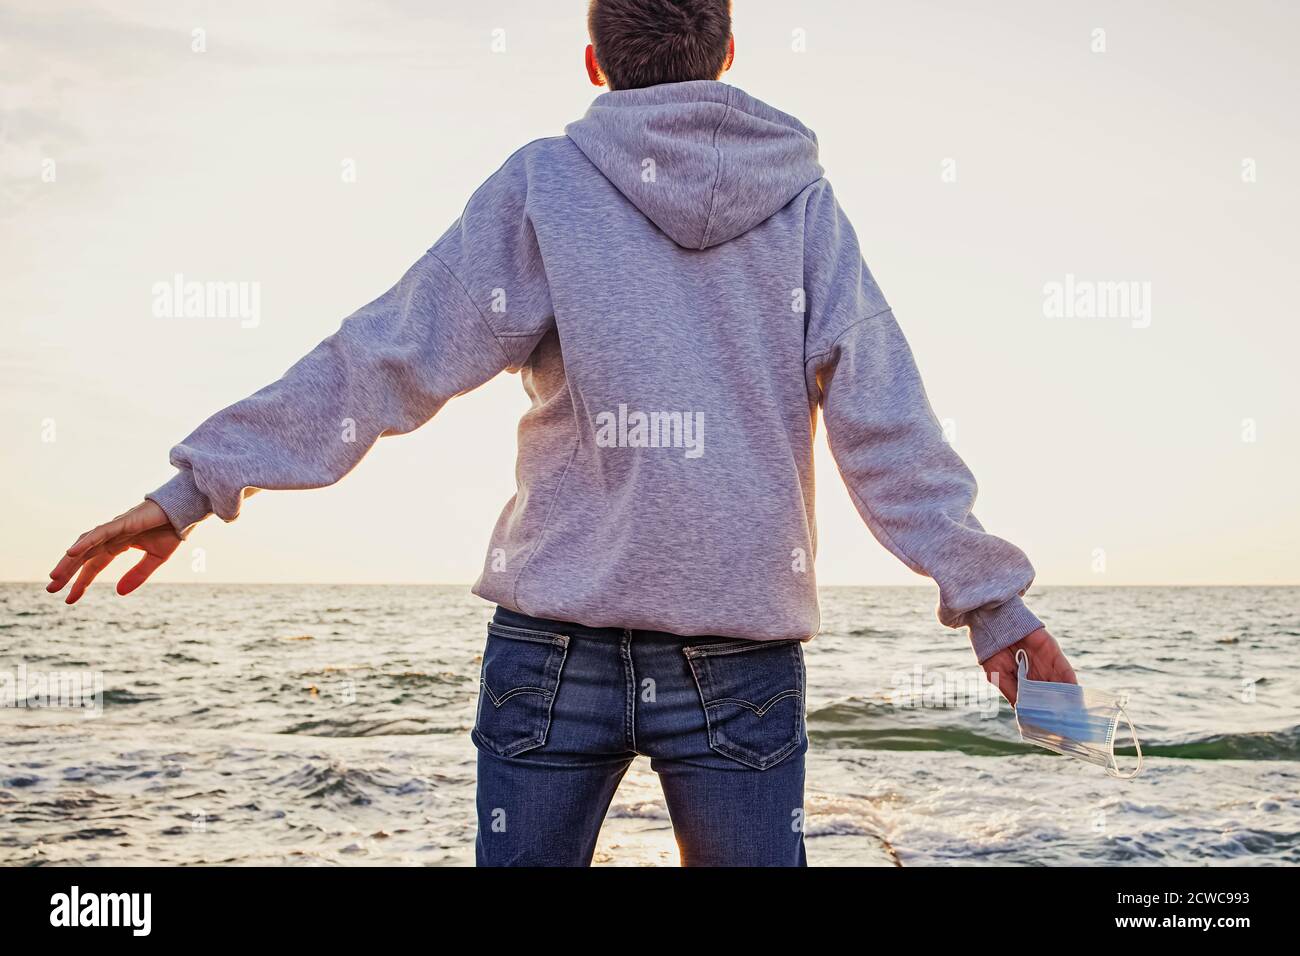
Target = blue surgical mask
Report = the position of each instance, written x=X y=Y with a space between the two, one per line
x=1071 y=720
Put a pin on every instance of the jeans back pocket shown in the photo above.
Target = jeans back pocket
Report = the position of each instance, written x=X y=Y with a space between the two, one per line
x=752 y=693
x=517 y=685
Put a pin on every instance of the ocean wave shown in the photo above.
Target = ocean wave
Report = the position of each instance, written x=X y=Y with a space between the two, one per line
x=1264 y=745
x=400 y=727
x=879 y=725
x=334 y=783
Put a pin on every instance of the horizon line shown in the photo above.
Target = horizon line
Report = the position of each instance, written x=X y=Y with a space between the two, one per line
x=467 y=585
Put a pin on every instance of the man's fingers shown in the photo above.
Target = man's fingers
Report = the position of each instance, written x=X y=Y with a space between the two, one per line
x=1055 y=670
x=97 y=536
x=95 y=560
x=1052 y=665
x=1007 y=684
x=88 y=573
x=1001 y=676
x=1046 y=663
x=68 y=565
x=95 y=550
x=66 y=568
x=139 y=574
x=1008 y=687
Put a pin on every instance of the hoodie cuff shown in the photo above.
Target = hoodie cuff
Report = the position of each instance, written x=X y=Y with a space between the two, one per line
x=182 y=502
x=996 y=628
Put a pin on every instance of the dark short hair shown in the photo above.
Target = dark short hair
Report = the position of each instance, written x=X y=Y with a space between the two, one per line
x=646 y=42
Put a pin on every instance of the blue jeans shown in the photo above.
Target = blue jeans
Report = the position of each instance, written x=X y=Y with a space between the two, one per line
x=564 y=709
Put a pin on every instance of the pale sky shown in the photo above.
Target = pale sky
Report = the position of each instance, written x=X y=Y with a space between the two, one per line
x=1166 y=160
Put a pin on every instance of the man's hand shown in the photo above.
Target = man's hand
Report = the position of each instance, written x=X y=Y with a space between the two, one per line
x=1046 y=662
x=144 y=527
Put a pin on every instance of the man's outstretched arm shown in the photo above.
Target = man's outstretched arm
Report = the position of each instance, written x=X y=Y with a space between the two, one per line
x=472 y=306
x=911 y=488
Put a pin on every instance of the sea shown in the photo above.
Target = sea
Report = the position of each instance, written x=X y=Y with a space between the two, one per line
x=329 y=725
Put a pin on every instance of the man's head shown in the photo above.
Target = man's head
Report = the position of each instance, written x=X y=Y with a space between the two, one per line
x=636 y=43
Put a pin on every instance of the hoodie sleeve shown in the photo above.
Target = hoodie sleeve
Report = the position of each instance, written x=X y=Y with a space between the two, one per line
x=911 y=488
x=475 y=304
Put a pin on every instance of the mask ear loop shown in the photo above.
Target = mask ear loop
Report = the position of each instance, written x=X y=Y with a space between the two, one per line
x=1022 y=665
x=1022 y=674
x=1114 y=770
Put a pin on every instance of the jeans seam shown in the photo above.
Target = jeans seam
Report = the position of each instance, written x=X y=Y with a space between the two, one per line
x=629 y=710
x=758 y=709
x=509 y=631
x=498 y=700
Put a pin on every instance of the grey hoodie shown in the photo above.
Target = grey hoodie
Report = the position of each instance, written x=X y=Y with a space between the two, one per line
x=681 y=295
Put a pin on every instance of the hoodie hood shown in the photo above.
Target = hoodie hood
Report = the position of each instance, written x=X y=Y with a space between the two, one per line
x=704 y=161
